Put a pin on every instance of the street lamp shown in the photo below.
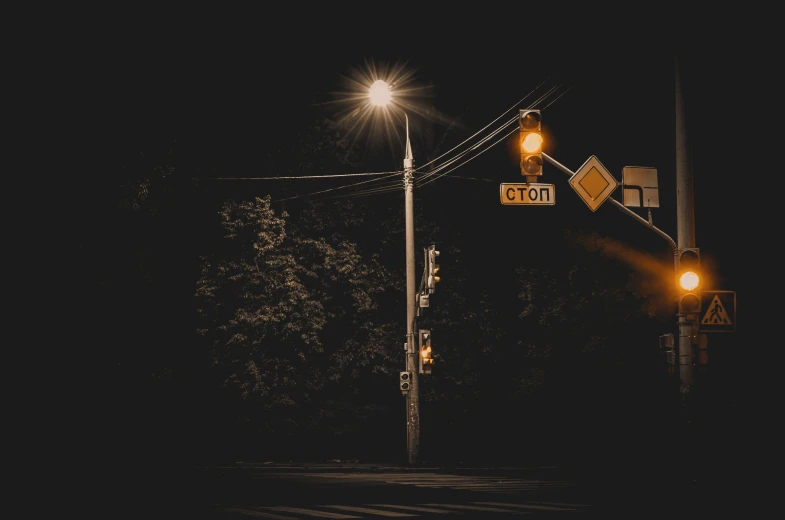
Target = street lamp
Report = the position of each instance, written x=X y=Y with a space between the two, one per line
x=380 y=94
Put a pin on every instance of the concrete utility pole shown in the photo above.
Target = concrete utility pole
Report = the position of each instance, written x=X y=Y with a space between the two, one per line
x=413 y=396
x=685 y=228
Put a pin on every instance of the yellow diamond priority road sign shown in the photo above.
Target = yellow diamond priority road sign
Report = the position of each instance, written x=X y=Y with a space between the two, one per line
x=593 y=183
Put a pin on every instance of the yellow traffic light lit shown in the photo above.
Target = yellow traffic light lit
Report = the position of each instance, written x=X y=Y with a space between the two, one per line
x=426 y=354
x=532 y=143
x=689 y=280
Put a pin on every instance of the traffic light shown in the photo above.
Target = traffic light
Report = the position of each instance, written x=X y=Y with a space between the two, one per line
x=426 y=353
x=531 y=142
x=688 y=280
x=702 y=342
x=406 y=381
x=433 y=269
x=666 y=344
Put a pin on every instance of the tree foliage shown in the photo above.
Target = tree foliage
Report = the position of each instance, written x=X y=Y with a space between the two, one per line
x=288 y=318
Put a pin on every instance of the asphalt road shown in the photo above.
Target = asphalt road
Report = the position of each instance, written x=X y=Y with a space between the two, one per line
x=351 y=491
x=369 y=491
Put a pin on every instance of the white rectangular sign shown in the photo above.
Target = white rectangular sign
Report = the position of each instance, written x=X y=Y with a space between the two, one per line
x=534 y=194
x=640 y=187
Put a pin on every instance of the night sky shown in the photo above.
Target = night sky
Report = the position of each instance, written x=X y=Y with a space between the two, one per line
x=233 y=101
x=224 y=98
x=239 y=100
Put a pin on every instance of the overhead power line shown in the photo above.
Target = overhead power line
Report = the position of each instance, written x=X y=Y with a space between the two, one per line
x=432 y=175
x=469 y=159
x=296 y=177
x=384 y=177
x=486 y=126
x=391 y=174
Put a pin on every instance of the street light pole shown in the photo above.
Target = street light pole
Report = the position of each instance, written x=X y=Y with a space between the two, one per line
x=413 y=396
x=380 y=95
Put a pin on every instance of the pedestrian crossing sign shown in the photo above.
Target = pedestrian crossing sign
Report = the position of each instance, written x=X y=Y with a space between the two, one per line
x=719 y=311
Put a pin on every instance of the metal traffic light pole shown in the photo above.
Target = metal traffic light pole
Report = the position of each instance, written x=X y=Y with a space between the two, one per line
x=621 y=207
x=685 y=216
x=649 y=224
x=685 y=230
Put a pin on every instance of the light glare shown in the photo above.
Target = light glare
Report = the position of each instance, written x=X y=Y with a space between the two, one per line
x=532 y=143
x=380 y=93
x=689 y=280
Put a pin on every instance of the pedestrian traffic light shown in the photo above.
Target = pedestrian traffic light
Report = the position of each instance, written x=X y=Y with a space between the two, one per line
x=426 y=353
x=666 y=344
x=531 y=142
x=688 y=279
x=433 y=269
x=406 y=381
x=702 y=342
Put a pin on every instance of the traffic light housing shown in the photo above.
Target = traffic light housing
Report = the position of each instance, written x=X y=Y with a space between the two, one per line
x=433 y=269
x=530 y=142
x=689 y=280
x=702 y=342
x=666 y=344
x=426 y=352
x=406 y=381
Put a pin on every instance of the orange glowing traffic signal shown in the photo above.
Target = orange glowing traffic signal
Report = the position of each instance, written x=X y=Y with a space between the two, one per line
x=688 y=280
x=531 y=142
x=426 y=352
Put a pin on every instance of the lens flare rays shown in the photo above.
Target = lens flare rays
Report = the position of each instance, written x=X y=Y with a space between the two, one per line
x=374 y=100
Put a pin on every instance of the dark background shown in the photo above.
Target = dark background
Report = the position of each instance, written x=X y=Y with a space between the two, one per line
x=223 y=96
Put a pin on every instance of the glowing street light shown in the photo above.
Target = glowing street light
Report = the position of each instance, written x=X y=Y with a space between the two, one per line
x=380 y=93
